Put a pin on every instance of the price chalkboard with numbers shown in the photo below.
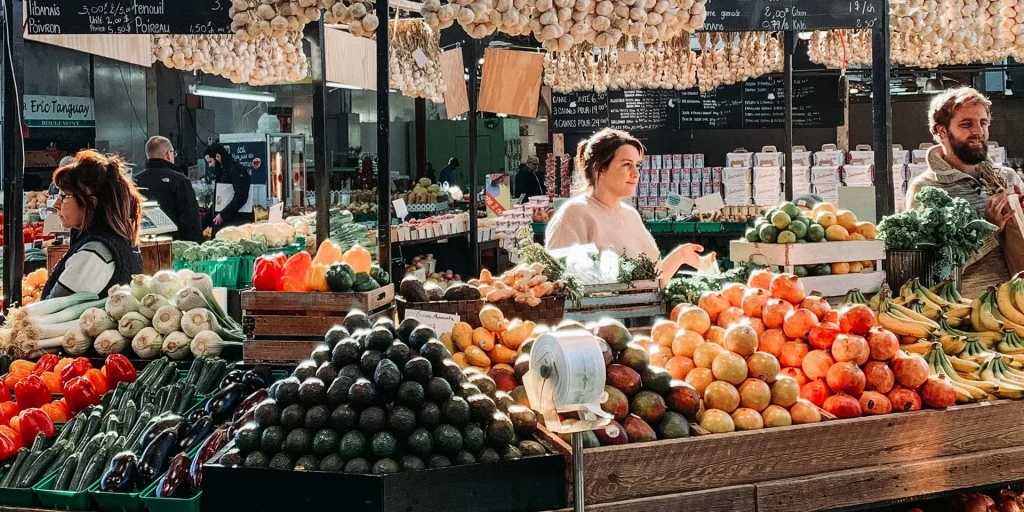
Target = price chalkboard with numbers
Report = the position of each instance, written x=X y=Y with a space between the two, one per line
x=579 y=112
x=786 y=15
x=128 y=17
x=644 y=110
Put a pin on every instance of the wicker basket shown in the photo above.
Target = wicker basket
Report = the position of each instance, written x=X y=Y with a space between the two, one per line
x=550 y=312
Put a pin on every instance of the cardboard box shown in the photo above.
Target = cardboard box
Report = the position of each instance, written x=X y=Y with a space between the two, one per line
x=685 y=175
x=706 y=174
x=827 y=192
x=642 y=201
x=664 y=175
x=737 y=175
x=677 y=161
x=737 y=190
x=688 y=161
x=675 y=175
x=698 y=159
x=656 y=161
x=740 y=158
x=996 y=153
x=716 y=174
x=862 y=175
x=655 y=175
x=643 y=189
x=863 y=155
x=645 y=175
x=768 y=199
x=915 y=170
x=920 y=155
x=707 y=186
x=769 y=157
x=900 y=173
x=900 y=156
x=766 y=176
x=801 y=176
x=801 y=188
x=825 y=175
x=801 y=157
x=646 y=162
x=829 y=156
x=664 y=189
x=738 y=201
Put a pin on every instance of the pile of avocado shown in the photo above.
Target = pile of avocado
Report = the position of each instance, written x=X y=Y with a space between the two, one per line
x=785 y=224
x=378 y=399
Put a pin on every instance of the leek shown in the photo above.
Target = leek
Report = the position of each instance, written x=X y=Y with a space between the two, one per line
x=231 y=330
x=110 y=342
x=140 y=286
x=131 y=324
x=121 y=303
x=189 y=298
x=94 y=321
x=151 y=303
x=165 y=283
x=198 y=320
x=48 y=331
x=148 y=343
x=69 y=313
x=177 y=345
x=76 y=342
x=207 y=344
x=167 y=320
x=50 y=306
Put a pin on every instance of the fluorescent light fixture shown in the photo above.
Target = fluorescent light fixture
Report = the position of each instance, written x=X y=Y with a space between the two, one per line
x=232 y=94
x=854 y=90
x=339 y=85
x=500 y=114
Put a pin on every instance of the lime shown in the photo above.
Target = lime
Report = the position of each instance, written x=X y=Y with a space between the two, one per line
x=787 y=237
x=768 y=233
x=799 y=228
x=752 y=235
x=781 y=220
x=823 y=270
x=815 y=233
x=800 y=271
x=790 y=209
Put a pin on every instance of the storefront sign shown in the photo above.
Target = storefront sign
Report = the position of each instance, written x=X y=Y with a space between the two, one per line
x=58 y=112
x=128 y=17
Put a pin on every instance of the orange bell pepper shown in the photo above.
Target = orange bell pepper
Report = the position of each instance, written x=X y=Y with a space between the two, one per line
x=9 y=410
x=55 y=412
x=98 y=380
x=52 y=381
x=328 y=254
x=21 y=366
x=14 y=377
x=64 y=361
x=295 y=270
x=16 y=424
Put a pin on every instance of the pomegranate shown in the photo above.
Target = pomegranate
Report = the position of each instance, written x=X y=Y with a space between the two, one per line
x=849 y=347
x=722 y=396
x=788 y=288
x=685 y=342
x=1008 y=506
x=760 y=279
x=822 y=336
x=846 y=378
x=831 y=317
x=774 y=313
x=816 y=364
x=793 y=353
x=700 y=379
x=883 y=344
x=842 y=406
x=729 y=367
x=910 y=370
x=754 y=300
x=730 y=316
x=691 y=318
x=857 y=319
x=815 y=392
x=706 y=353
x=938 y=392
x=714 y=304
x=878 y=377
x=794 y=373
x=904 y=399
x=755 y=394
x=874 y=404
x=740 y=338
x=733 y=292
x=798 y=323
x=785 y=391
x=771 y=341
x=817 y=305
x=764 y=366
x=804 y=412
x=680 y=366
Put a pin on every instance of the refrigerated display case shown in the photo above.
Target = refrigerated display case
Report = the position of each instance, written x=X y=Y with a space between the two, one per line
x=277 y=165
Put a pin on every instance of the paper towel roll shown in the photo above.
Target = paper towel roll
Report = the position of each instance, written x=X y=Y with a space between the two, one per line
x=571 y=362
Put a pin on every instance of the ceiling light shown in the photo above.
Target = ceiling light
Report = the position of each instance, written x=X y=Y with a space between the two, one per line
x=854 y=90
x=232 y=94
x=500 y=114
x=339 y=85
x=933 y=86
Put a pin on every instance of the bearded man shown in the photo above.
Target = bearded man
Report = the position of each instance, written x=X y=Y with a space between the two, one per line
x=959 y=121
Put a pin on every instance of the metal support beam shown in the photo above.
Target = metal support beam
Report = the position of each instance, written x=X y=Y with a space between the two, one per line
x=421 y=137
x=790 y=48
x=881 y=108
x=383 y=140
x=474 y=179
x=321 y=173
x=12 y=45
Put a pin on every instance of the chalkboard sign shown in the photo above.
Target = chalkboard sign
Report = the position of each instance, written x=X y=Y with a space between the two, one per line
x=783 y=15
x=815 y=102
x=643 y=110
x=718 y=108
x=128 y=17
x=579 y=112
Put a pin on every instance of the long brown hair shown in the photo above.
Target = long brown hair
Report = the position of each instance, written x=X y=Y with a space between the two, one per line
x=105 y=191
x=595 y=155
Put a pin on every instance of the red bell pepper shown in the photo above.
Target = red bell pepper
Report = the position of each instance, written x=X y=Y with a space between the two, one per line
x=118 y=369
x=45 y=364
x=267 y=272
x=34 y=421
x=13 y=435
x=31 y=392
x=98 y=381
x=77 y=368
x=5 y=392
x=7 y=447
x=79 y=393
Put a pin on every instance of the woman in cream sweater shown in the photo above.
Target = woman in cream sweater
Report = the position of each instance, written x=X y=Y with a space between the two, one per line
x=610 y=162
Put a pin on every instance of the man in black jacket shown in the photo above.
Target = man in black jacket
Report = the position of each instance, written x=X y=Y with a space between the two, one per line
x=162 y=183
x=227 y=171
x=530 y=179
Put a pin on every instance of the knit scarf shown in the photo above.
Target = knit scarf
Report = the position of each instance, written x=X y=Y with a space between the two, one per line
x=990 y=180
x=127 y=259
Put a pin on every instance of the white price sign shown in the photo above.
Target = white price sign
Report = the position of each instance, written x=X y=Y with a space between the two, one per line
x=439 y=322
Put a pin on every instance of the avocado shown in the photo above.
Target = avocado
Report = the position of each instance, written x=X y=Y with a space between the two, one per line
x=420 y=336
x=325 y=442
x=410 y=394
x=467 y=390
x=247 y=438
x=362 y=393
x=438 y=390
x=317 y=417
x=456 y=411
x=369 y=360
x=385 y=466
x=418 y=369
x=481 y=407
x=256 y=459
x=452 y=373
x=358 y=467
x=412 y=290
x=272 y=439
x=388 y=324
x=267 y=413
x=461 y=292
x=337 y=392
x=372 y=420
x=402 y=420
x=356 y=320
x=447 y=440
x=353 y=444
x=335 y=334
x=406 y=327
x=379 y=339
x=531 y=448
x=438 y=461
x=293 y=416
x=287 y=391
x=327 y=372
x=433 y=351
x=383 y=445
x=524 y=420
x=473 y=437
x=503 y=400
x=347 y=351
x=307 y=463
x=305 y=370
x=399 y=353
x=232 y=457
x=434 y=291
x=429 y=414
x=312 y=392
x=420 y=443
x=321 y=354
x=352 y=371
x=412 y=463
x=511 y=453
x=298 y=442
x=501 y=431
x=673 y=426
x=387 y=376
x=344 y=417
x=656 y=379
x=281 y=461
x=488 y=455
x=332 y=463
x=485 y=383
x=464 y=457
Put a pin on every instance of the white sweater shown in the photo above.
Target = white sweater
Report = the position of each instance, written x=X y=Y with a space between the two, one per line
x=583 y=220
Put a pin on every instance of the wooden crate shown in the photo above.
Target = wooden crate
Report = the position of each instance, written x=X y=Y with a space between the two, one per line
x=641 y=299
x=783 y=257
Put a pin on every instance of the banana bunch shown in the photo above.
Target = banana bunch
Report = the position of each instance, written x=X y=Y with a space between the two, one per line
x=1011 y=381
x=1007 y=306
x=987 y=339
x=985 y=314
x=903 y=321
x=967 y=389
x=853 y=297
x=975 y=351
x=947 y=290
x=1012 y=343
x=883 y=293
x=933 y=304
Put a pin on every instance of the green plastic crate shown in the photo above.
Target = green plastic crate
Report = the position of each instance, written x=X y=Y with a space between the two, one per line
x=659 y=227
x=709 y=227
x=539 y=228
x=227 y=272
x=61 y=500
x=18 y=497
x=246 y=267
x=117 y=501
x=156 y=504
x=205 y=267
x=684 y=227
x=734 y=227
x=180 y=264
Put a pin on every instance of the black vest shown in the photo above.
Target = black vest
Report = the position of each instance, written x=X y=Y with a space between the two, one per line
x=127 y=259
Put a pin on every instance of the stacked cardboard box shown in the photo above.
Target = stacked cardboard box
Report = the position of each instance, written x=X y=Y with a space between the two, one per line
x=825 y=173
x=683 y=174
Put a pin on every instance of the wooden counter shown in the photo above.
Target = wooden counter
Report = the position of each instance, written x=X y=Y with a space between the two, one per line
x=156 y=255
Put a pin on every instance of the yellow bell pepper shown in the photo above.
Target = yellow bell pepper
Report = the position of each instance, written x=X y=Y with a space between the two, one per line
x=316 y=278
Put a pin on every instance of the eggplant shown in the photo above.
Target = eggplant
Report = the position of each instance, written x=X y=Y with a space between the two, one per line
x=121 y=475
x=177 y=483
x=159 y=424
x=233 y=377
x=250 y=403
x=217 y=440
x=257 y=378
x=195 y=415
x=195 y=435
x=222 y=405
x=155 y=457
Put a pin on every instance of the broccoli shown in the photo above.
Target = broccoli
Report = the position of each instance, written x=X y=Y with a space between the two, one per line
x=178 y=248
x=192 y=254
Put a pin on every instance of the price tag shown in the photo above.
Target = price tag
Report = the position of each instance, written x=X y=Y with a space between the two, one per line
x=400 y=209
x=710 y=203
x=679 y=205
x=627 y=57
x=277 y=212
x=420 y=57
x=439 y=322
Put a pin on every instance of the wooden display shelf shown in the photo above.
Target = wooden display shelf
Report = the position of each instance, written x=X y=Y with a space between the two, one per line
x=806 y=254
x=641 y=299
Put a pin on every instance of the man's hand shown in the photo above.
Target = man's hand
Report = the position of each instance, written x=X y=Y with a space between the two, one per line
x=998 y=211
x=217 y=221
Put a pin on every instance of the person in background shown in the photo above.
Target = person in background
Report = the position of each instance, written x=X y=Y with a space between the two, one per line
x=52 y=193
x=430 y=174
x=160 y=182
x=227 y=171
x=96 y=200
x=448 y=173
x=530 y=181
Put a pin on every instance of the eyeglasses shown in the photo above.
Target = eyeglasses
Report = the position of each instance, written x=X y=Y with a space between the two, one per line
x=64 y=197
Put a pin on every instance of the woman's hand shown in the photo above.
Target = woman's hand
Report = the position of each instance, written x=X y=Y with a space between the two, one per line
x=687 y=254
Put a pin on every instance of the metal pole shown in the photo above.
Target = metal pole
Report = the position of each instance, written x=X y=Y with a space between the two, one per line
x=321 y=179
x=421 y=138
x=13 y=48
x=577 y=471
x=881 y=107
x=474 y=180
x=383 y=141
x=790 y=48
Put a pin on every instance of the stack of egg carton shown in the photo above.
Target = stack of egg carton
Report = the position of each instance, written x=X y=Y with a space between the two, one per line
x=825 y=173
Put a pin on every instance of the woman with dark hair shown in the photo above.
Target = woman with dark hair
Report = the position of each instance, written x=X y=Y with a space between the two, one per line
x=96 y=200
x=610 y=162
x=232 y=205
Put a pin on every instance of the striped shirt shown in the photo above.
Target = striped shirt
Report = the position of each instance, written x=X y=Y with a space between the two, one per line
x=88 y=270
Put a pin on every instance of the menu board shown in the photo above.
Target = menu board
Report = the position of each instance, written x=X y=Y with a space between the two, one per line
x=643 y=110
x=815 y=102
x=784 y=15
x=128 y=17
x=721 y=107
x=579 y=112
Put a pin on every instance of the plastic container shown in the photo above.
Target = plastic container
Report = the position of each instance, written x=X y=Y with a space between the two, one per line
x=156 y=504
x=61 y=500
x=180 y=264
x=659 y=227
x=734 y=227
x=684 y=227
x=205 y=267
x=116 y=501
x=246 y=267
x=227 y=272
x=18 y=497
x=709 y=227
x=539 y=228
